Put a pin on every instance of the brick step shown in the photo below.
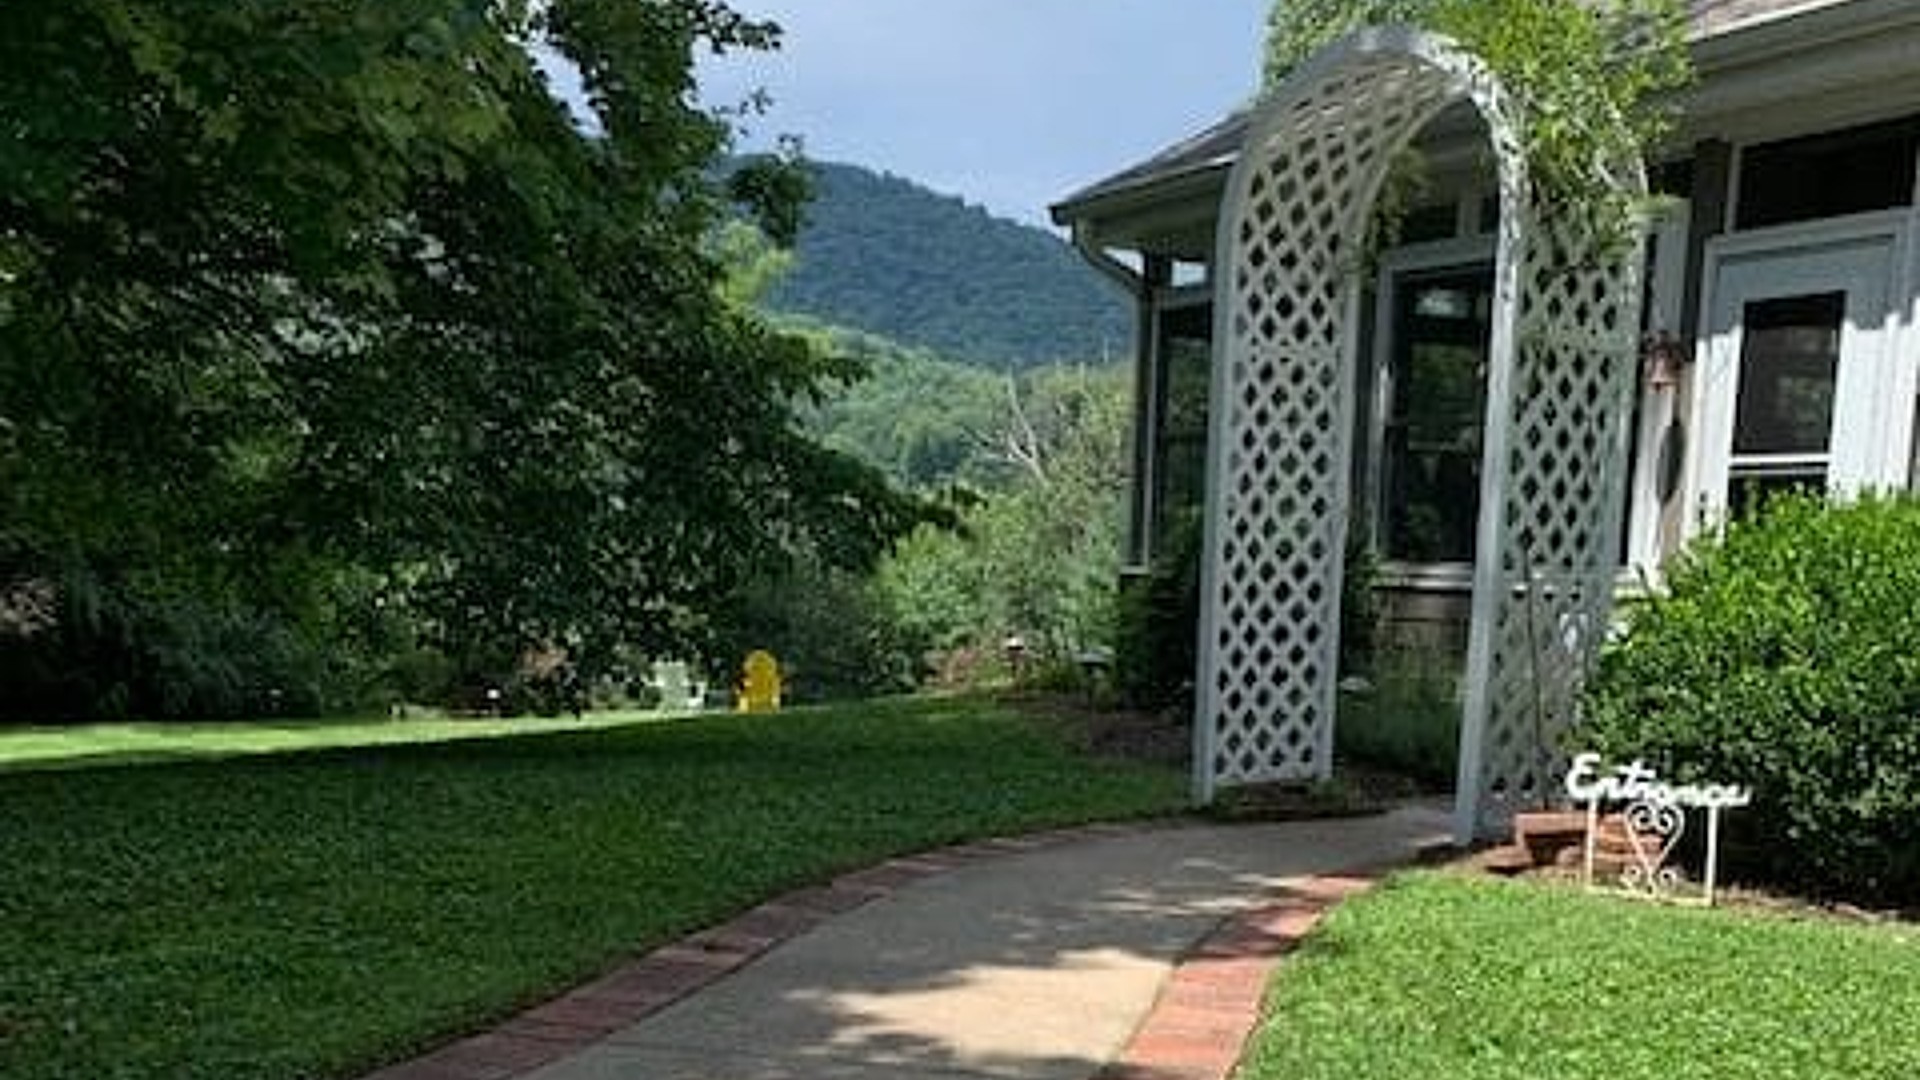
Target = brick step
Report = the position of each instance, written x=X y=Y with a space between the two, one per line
x=1558 y=838
x=1544 y=834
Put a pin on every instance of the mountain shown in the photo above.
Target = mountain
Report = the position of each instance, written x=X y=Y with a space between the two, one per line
x=885 y=255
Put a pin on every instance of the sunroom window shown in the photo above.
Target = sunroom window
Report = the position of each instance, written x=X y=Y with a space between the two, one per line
x=1180 y=452
x=1431 y=447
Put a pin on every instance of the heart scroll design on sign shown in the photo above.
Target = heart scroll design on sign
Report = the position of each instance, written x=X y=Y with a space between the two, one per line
x=1653 y=830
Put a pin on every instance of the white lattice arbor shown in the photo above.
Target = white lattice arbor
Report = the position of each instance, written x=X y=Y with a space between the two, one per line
x=1287 y=307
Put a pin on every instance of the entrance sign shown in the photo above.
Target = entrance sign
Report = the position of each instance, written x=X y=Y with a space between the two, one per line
x=1638 y=782
x=1650 y=825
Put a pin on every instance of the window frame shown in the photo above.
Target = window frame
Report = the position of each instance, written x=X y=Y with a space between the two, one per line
x=1165 y=301
x=1463 y=254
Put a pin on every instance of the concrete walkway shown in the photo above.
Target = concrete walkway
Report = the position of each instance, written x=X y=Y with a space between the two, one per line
x=1019 y=964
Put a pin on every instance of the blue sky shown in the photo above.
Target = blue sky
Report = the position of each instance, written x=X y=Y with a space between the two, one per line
x=1009 y=103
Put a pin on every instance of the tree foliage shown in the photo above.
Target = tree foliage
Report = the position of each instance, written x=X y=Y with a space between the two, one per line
x=1029 y=468
x=325 y=318
x=1593 y=77
x=1038 y=557
x=930 y=422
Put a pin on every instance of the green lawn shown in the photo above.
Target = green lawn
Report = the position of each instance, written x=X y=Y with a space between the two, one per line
x=311 y=914
x=1445 y=977
x=103 y=744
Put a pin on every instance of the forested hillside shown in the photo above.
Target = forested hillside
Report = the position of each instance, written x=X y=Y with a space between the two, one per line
x=883 y=254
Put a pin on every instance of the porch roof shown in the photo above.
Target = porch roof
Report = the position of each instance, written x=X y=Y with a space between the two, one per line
x=1157 y=197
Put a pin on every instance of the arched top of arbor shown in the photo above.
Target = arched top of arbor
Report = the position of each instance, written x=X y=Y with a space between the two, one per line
x=1294 y=227
x=1383 y=85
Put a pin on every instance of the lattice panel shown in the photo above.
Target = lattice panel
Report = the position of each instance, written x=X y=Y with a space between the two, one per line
x=1284 y=420
x=1295 y=214
x=1565 y=493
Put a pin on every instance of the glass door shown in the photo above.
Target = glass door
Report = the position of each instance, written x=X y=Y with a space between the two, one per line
x=1795 y=389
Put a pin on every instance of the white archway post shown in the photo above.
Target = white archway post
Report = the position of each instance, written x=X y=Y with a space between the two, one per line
x=1291 y=241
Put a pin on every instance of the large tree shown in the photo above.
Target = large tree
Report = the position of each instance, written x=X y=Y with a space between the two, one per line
x=311 y=311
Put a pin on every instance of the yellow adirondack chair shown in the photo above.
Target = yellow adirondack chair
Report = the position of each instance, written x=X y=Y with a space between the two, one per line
x=760 y=683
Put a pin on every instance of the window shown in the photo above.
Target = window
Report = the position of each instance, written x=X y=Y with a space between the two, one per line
x=1828 y=175
x=1432 y=432
x=1180 y=443
x=1489 y=214
x=1434 y=221
x=1798 y=384
x=1783 y=412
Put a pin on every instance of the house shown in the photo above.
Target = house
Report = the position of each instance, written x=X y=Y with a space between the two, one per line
x=1477 y=401
x=1780 y=319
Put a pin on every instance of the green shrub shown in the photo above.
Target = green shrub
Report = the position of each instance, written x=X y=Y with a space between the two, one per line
x=835 y=634
x=1157 y=618
x=1156 y=624
x=1406 y=720
x=1359 y=607
x=121 y=646
x=1783 y=656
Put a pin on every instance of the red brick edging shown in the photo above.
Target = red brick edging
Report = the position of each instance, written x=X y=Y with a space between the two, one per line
x=590 y=1012
x=1211 y=1003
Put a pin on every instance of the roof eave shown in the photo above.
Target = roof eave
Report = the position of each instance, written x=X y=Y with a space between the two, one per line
x=1785 y=32
x=1104 y=200
x=1764 y=38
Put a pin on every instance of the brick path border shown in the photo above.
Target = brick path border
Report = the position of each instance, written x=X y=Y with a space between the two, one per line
x=1195 y=1030
x=591 y=1011
x=1211 y=1003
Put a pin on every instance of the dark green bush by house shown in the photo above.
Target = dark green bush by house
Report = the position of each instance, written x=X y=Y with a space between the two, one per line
x=1404 y=718
x=1157 y=624
x=1786 y=655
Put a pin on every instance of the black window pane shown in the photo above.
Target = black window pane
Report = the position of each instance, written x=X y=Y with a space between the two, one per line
x=1433 y=434
x=1672 y=178
x=1789 y=353
x=1437 y=221
x=1846 y=172
x=1181 y=453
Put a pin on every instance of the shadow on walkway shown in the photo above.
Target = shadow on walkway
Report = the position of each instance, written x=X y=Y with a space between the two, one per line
x=1036 y=965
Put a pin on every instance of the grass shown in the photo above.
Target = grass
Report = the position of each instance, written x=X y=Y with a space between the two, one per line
x=313 y=914
x=113 y=744
x=1472 y=979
